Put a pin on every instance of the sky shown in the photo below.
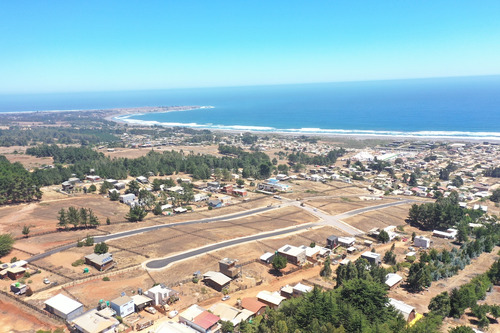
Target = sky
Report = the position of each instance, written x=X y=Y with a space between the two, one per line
x=71 y=46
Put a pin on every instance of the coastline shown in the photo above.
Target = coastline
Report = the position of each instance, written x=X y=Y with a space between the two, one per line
x=318 y=132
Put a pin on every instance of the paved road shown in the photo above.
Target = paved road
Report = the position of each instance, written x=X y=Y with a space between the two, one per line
x=162 y=263
x=105 y=238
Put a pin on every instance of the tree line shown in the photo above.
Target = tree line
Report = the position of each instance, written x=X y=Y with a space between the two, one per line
x=16 y=183
x=78 y=218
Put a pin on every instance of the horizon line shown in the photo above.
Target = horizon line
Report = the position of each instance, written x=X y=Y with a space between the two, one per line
x=243 y=86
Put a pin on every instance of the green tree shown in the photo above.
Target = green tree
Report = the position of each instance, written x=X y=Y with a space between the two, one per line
x=26 y=230
x=108 y=221
x=114 y=195
x=157 y=210
x=73 y=217
x=84 y=217
x=463 y=231
x=227 y=326
x=93 y=220
x=418 y=277
x=240 y=182
x=92 y=188
x=279 y=262
x=327 y=268
x=440 y=304
x=383 y=236
x=136 y=213
x=6 y=243
x=389 y=258
x=63 y=220
x=89 y=240
x=133 y=187
x=495 y=197
x=461 y=329
x=101 y=248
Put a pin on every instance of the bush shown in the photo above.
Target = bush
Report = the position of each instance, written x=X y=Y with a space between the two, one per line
x=14 y=259
x=79 y=244
x=107 y=279
x=78 y=263
x=210 y=208
x=410 y=259
x=27 y=275
x=195 y=280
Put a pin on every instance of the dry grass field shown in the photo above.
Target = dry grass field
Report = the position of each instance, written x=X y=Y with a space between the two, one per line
x=382 y=218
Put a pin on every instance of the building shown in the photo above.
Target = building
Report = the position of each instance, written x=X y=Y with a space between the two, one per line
x=393 y=280
x=200 y=197
x=449 y=233
x=406 y=310
x=346 y=241
x=64 y=307
x=141 y=302
x=160 y=294
x=123 y=305
x=127 y=198
x=300 y=289
x=293 y=254
x=421 y=241
x=214 y=203
x=228 y=267
x=239 y=192
x=372 y=257
x=142 y=180
x=199 y=319
x=119 y=186
x=254 y=305
x=229 y=313
x=216 y=280
x=227 y=189
x=101 y=262
x=15 y=273
x=272 y=300
x=95 y=321
x=174 y=327
x=332 y=242
x=267 y=257
x=18 y=288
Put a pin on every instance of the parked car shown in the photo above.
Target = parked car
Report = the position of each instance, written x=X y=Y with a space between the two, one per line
x=172 y=314
x=150 y=309
x=225 y=298
x=46 y=281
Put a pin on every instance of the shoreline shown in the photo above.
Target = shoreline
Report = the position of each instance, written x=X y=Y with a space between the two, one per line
x=122 y=116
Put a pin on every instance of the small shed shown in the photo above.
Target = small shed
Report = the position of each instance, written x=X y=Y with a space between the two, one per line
x=346 y=241
x=406 y=310
x=372 y=257
x=267 y=257
x=216 y=280
x=421 y=241
x=392 y=280
x=101 y=262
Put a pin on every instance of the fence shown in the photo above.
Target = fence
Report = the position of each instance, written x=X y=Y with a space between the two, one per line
x=32 y=307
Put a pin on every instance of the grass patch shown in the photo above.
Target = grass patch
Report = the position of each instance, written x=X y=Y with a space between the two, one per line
x=345 y=199
x=78 y=262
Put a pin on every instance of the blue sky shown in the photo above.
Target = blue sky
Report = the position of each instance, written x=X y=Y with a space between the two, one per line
x=58 y=46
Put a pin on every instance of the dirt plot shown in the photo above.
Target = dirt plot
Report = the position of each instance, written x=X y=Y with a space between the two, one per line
x=382 y=218
x=16 y=319
x=341 y=205
x=138 y=152
x=42 y=216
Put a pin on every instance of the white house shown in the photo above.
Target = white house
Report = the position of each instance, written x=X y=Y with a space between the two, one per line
x=159 y=294
x=421 y=241
x=123 y=305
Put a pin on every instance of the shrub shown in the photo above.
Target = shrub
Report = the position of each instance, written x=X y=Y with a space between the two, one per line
x=78 y=263
x=107 y=279
x=195 y=280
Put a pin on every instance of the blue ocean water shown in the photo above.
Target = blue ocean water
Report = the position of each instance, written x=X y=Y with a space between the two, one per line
x=442 y=107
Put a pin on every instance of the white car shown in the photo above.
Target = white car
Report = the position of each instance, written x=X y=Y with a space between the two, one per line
x=172 y=314
x=150 y=309
x=225 y=298
x=46 y=281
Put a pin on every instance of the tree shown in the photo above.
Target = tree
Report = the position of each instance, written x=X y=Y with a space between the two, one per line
x=463 y=231
x=327 y=268
x=457 y=181
x=26 y=230
x=73 y=217
x=101 y=248
x=227 y=326
x=92 y=188
x=133 y=187
x=146 y=199
x=108 y=221
x=495 y=197
x=6 y=242
x=389 y=258
x=413 y=180
x=89 y=240
x=279 y=262
x=418 y=277
x=93 y=220
x=157 y=210
x=136 y=213
x=441 y=304
x=383 y=236
x=84 y=217
x=240 y=182
x=63 y=221
x=413 y=235
x=114 y=195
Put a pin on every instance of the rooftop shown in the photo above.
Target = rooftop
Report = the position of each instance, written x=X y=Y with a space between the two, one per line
x=63 y=304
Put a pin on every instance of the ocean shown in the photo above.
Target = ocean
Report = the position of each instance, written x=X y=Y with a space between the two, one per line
x=462 y=107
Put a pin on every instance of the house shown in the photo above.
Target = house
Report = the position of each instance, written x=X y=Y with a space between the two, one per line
x=174 y=327
x=421 y=241
x=64 y=307
x=111 y=181
x=216 y=280
x=300 y=289
x=267 y=257
x=227 y=189
x=101 y=262
x=332 y=242
x=160 y=294
x=293 y=254
x=200 y=197
x=66 y=186
x=392 y=280
x=123 y=305
x=142 y=180
x=240 y=192
x=286 y=291
x=127 y=198
x=176 y=189
x=141 y=302
x=93 y=178
x=213 y=186
x=272 y=300
x=113 y=190
x=449 y=233
x=346 y=241
x=229 y=313
x=215 y=203
x=180 y=210
x=119 y=186
x=15 y=273
x=406 y=310
x=254 y=305
x=228 y=267
x=199 y=319
x=95 y=321
x=372 y=257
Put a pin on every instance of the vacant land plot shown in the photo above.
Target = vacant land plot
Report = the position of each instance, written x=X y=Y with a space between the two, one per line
x=16 y=319
x=382 y=218
x=334 y=206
